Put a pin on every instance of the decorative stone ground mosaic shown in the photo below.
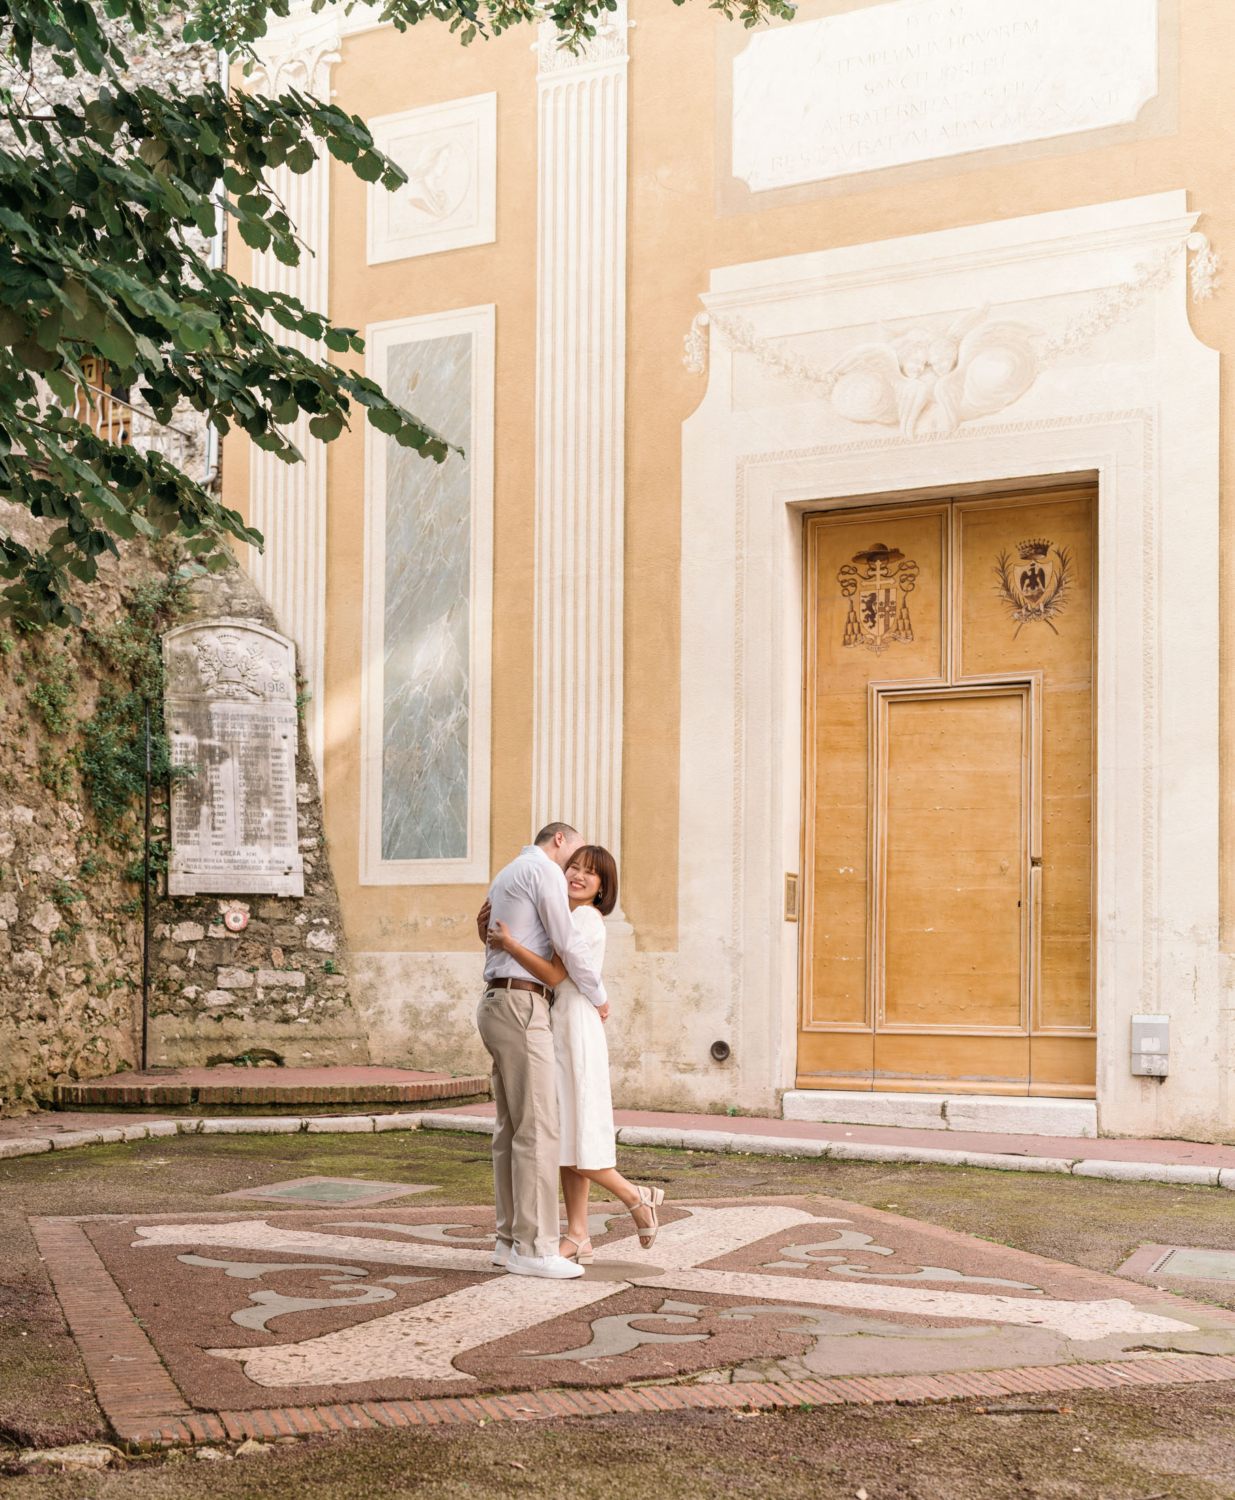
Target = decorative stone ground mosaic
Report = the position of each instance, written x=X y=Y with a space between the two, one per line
x=341 y=1305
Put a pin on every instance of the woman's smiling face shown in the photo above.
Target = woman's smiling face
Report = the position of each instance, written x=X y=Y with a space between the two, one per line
x=581 y=883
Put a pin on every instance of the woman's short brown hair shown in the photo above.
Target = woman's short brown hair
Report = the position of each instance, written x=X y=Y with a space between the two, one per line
x=598 y=861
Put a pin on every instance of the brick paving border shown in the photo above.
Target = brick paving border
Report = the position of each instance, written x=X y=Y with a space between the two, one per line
x=526 y=1406
x=145 y=1409
x=130 y=1380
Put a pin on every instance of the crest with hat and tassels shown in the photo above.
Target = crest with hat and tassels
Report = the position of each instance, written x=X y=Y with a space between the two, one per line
x=877 y=584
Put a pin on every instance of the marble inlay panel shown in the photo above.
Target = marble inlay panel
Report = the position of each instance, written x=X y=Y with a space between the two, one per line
x=426 y=677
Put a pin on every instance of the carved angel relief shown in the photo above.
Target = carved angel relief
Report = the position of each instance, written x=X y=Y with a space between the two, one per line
x=1034 y=587
x=922 y=381
x=877 y=584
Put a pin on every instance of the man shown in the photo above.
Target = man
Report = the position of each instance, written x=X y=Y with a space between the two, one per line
x=529 y=895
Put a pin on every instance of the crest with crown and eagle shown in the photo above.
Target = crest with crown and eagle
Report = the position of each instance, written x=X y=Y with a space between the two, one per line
x=1034 y=584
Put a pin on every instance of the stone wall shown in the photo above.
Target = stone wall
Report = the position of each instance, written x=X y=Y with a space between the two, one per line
x=70 y=941
x=70 y=918
x=69 y=958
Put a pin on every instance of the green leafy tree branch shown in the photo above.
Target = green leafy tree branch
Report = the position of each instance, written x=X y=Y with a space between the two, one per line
x=102 y=205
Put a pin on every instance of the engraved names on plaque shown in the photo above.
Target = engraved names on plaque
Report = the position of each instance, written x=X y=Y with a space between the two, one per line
x=230 y=707
x=915 y=80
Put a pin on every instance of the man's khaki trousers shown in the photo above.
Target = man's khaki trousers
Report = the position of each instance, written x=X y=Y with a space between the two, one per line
x=514 y=1026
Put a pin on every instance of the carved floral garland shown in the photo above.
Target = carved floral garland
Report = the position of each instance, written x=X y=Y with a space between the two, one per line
x=1108 y=309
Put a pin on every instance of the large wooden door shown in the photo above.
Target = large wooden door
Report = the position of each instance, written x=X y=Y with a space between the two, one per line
x=947 y=861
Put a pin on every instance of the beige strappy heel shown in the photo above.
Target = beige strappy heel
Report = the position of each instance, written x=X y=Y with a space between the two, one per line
x=584 y=1257
x=650 y=1198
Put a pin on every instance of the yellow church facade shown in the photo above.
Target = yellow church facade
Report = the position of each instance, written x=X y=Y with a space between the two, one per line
x=838 y=536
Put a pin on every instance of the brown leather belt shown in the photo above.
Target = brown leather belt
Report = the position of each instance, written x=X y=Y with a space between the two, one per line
x=521 y=984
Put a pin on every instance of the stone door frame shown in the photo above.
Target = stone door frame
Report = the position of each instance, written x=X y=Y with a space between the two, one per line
x=1135 y=410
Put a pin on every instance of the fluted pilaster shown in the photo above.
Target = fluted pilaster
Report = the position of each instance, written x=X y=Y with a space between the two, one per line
x=580 y=373
x=287 y=502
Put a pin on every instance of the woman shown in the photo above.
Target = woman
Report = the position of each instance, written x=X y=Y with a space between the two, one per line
x=584 y=1101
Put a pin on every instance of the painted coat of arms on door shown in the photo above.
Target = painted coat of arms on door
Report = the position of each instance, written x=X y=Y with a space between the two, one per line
x=877 y=584
x=1035 y=583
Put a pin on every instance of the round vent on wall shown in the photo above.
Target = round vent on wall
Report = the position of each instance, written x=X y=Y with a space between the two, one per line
x=720 y=1051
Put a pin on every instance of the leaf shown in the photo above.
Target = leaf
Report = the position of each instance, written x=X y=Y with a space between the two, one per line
x=77 y=295
x=33 y=355
x=327 y=428
x=117 y=344
x=254 y=234
x=204 y=216
x=301 y=157
x=385 y=419
x=193 y=338
x=368 y=168
x=48 y=331
x=12 y=326
x=64 y=388
x=86 y=327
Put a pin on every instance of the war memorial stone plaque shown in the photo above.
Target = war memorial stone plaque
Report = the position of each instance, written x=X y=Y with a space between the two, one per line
x=230 y=707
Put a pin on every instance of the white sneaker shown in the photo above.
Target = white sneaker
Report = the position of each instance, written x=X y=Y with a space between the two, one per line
x=552 y=1267
x=501 y=1253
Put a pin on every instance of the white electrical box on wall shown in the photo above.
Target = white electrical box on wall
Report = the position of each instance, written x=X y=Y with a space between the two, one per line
x=1151 y=1046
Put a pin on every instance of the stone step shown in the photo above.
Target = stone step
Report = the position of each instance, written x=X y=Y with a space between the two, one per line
x=270 y=1090
x=1002 y=1113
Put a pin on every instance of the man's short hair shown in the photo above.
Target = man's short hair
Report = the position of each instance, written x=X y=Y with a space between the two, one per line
x=551 y=830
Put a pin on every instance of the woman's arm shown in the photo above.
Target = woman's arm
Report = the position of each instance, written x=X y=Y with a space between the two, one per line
x=550 y=971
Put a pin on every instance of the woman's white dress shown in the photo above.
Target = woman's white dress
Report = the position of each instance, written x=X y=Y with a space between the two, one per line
x=584 y=1100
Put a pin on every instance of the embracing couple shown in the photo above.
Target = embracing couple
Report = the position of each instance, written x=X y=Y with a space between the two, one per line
x=542 y=1022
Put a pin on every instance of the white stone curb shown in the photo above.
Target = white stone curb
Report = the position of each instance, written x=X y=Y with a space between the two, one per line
x=396 y=1122
x=254 y=1125
x=771 y=1145
x=637 y=1135
x=35 y=1145
x=31 y=1147
x=1128 y=1171
x=344 y=1124
x=477 y=1124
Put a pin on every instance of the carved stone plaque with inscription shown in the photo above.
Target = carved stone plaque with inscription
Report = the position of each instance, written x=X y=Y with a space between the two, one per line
x=231 y=715
x=915 y=80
